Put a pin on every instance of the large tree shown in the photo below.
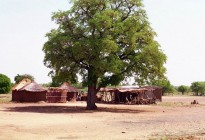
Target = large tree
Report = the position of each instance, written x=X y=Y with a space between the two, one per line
x=104 y=41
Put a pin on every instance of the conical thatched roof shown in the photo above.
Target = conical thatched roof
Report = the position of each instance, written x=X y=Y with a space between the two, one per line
x=68 y=87
x=22 y=84
x=33 y=87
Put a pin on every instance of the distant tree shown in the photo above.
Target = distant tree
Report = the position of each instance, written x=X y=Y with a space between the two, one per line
x=19 y=77
x=165 y=84
x=198 y=87
x=5 y=84
x=46 y=84
x=59 y=79
x=104 y=41
x=183 y=89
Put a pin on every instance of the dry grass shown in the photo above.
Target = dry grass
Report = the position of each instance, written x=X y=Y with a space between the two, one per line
x=5 y=98
x=198 y=136
x=172 y=104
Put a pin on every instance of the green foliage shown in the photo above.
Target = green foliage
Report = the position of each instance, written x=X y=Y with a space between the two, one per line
x=183 y=89
x=104 y=41
x=46 y=85
x=112 y=80
x=60 y=78
x=5 y=84
x=165 y=84
x=19 y=77
x=104 y=38
x=198 y=88
x=78 y=85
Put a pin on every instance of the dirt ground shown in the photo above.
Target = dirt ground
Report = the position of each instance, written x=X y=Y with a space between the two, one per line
x=174 y=118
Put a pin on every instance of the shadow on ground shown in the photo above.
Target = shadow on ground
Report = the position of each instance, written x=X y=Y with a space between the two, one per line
x=68 y=109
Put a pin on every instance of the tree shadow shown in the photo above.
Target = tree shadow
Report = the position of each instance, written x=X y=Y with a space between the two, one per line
x=52 y=109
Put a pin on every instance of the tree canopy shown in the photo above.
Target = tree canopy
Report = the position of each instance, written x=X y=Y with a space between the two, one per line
x=5 y=84
x=104 y=41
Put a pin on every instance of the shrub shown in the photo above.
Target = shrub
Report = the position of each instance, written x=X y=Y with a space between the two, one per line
x=5 y=84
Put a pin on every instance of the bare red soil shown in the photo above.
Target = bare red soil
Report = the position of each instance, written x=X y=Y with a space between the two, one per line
x=174 y=118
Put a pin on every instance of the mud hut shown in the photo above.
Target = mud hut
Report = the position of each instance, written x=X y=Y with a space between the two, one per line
x=157 y=91
x=107 y=94
x=55 y=95
x=132 y=94
x=27 y=91
x=139 y=95
x=71 y=91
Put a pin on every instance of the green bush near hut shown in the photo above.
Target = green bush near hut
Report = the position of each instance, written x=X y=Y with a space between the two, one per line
x=5 y=84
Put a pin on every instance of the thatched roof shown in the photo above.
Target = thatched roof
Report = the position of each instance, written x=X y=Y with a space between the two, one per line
x=152 y=87
x=132 y=89
x=68 y=87
x=27 y=85
x=22 y=84
x=107 y=89
x=33 y=87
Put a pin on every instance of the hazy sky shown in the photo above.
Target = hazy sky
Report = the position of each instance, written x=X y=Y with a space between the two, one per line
x=180 y=25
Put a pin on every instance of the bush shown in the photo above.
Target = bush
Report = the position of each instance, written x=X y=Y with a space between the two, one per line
x=5 y=84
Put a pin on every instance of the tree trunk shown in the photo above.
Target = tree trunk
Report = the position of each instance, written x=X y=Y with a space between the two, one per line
x=91 y=98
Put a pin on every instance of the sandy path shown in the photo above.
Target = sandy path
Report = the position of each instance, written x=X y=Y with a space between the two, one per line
x=71 y=121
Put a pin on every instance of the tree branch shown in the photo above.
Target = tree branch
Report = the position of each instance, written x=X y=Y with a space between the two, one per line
x=85 y=66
